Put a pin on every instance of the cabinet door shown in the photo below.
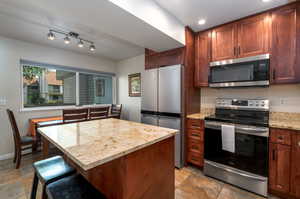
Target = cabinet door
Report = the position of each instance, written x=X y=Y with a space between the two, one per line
x=224 y=42
x=203 y=57
x=295 y=177
x=285 y=45
x=279 y=168
x=253 y=35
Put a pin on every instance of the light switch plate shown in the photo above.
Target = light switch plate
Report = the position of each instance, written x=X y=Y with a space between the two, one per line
x=3 y=101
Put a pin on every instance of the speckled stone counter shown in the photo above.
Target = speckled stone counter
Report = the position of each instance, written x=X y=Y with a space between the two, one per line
x=93 y=143
x=202 y=114
x=283 y=120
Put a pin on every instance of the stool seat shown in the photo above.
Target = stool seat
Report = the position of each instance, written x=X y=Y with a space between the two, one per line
x=72 y=187
x=51 y=169
x=48 y=171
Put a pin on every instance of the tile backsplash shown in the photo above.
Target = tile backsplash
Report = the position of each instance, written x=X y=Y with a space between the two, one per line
x=283 y=98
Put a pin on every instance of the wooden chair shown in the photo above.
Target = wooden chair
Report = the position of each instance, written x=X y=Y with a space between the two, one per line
x=75 y=115
x=21 y=142
x=116 y=110
x=98 y=113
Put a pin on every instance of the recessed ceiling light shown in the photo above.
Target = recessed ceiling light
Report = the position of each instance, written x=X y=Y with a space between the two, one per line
x=51 y=36
x=201 y=21
x=265 y=1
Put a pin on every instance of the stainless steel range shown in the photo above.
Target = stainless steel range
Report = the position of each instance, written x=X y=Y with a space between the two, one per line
x=236 y=143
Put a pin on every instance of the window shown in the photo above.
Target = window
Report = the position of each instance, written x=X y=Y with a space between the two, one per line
x=46 y=85
x=95 y=89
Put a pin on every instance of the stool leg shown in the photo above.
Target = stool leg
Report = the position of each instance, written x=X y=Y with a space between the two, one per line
x=44 y=195
x=34 y=187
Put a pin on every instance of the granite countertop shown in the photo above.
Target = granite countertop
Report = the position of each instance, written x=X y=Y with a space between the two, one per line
x=281 y=120
x=93 y=143
x=202 y=114
x=285 y=120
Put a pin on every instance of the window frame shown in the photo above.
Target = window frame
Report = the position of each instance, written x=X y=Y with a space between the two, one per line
x=77 y=93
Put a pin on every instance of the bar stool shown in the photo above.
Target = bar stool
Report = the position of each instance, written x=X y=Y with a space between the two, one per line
x=48 y=171
x=72 y=187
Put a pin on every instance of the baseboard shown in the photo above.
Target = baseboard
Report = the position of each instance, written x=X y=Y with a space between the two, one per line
x=6 y=156
x=11 y=155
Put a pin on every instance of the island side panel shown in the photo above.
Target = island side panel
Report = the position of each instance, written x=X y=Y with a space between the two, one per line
x=144 y=174
x=150 y=172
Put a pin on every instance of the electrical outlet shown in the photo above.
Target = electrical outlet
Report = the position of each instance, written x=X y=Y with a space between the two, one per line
x=282 y=101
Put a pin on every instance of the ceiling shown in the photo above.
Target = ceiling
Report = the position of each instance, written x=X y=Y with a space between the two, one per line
x=117 y=34
x=215 y=12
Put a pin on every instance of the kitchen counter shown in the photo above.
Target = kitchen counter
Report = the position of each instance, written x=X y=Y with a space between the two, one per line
x=283 y=120
x=202 y=114
x=93 y=143
x=116 y=156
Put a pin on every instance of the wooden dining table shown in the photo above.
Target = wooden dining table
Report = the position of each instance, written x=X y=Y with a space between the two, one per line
x=122 y=159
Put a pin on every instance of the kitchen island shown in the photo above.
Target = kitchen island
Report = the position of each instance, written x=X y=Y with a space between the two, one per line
x=122 y=159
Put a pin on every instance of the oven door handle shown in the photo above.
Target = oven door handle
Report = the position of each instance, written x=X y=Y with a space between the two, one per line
x=236 y=172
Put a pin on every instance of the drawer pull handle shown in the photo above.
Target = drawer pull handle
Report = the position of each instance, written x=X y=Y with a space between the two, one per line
x=194 y=159
x=195 y=147
x=299 y=143
x=280 y=137
x=195 y=134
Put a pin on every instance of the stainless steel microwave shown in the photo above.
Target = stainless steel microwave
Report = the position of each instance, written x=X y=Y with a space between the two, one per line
x=242 y=72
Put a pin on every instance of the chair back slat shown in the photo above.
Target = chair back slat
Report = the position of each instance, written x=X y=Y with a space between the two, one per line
x=98 y=113
x=75 y=115
x=116 y=110
x=14 y=126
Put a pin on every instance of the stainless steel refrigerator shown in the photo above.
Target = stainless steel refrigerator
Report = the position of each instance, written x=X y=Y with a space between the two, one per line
x=162 y=102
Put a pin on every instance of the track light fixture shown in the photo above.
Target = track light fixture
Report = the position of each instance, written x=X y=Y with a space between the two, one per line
x=68 y=36
x=80 y=44
x=92 y=47
x=50 y=35
x=67 y=40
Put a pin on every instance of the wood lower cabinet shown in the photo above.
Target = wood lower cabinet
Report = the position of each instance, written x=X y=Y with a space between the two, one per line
x=279 y=173
x=195 y=142
x=295 y=171
x=284 y=163
x=285 y=58
x=202 y=58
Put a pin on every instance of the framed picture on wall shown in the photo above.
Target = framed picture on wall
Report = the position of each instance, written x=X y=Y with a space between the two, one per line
x=134 y=85
x=100 y=88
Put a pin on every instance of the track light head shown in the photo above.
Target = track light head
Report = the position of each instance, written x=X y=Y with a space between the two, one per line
x=80 y=44
x=67 y=40
x=51 y=35
x=92 y=47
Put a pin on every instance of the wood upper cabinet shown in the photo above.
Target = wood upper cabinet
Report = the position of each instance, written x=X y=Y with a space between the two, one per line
x=279 y=168
x=244 y=38
x=253 y=35
x=295 y=175
x=203 y=57
x=285 y=45
x=224 y=42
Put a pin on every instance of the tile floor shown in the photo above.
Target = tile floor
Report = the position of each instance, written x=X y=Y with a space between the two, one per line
x=190 y=183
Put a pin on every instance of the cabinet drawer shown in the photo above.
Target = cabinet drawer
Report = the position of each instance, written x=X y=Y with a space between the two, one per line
x=195 y=145
x=281 y=136
x=195 y=134
x=195 y=124
x=195 y=158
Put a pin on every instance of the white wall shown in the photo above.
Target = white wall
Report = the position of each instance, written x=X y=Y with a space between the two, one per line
x=283 y=98
x=131 y=105
x=153 y=14
x=11 y=51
